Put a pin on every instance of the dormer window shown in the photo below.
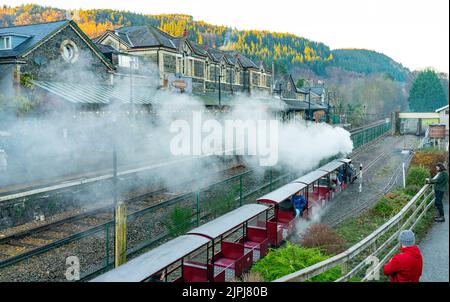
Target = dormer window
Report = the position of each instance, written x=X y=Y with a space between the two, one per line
x=5 y=43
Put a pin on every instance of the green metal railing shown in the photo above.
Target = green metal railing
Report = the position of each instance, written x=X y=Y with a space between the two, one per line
x=368 y=134
x=154 y=225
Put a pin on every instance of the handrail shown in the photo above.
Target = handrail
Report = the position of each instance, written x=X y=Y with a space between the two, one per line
x=341 y=258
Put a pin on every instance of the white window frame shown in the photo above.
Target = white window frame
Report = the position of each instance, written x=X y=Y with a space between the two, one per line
x=6 y=45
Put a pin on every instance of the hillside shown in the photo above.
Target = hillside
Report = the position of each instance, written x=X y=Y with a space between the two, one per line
x=286 y=50
x=367 y=62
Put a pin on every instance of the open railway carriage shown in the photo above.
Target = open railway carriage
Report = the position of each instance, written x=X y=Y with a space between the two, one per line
x=183 y=259
x=238 y=238
x=282 y=223
x=325 y=181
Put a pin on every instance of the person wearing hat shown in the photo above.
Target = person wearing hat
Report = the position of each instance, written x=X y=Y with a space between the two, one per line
x=405 y=266
x=440 y=182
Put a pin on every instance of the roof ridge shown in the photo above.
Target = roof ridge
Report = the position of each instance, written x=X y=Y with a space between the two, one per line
x=14 y=26
x=166 y=35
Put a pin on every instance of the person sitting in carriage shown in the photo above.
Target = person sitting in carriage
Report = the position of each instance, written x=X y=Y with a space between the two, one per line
x=299 y=202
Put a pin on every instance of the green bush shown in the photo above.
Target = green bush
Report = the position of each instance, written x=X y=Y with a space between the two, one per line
x=19 y=105
x=416 y=176
x=283 y=261
x=390 y=204
x=411 y=190
x=179 y=221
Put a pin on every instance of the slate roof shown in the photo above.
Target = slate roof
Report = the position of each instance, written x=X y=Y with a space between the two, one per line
x=36 y=33
x=198 y=49
x=302 y=105
x=246 y=62
x=146 y=36
x=283 y=80
x=106 y=48
x=317 y=90
x=215 y=54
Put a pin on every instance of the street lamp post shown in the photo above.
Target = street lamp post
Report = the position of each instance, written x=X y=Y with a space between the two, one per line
x=309 y=104
x=279 y=93
x=131 y=88
x=220 y=91
x=328 y=107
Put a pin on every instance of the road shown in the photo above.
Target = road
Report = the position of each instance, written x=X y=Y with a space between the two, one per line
x=434 y=249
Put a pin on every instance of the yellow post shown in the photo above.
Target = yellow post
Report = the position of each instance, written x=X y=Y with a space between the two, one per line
x=120 y=254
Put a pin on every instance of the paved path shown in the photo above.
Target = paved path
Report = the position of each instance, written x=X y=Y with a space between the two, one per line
x=434 y=249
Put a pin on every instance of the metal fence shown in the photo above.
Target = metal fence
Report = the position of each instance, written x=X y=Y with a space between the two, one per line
x=147 y=228
x=368 y=134
x=364 y=260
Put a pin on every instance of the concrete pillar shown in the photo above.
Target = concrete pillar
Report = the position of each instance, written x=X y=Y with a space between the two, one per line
x=419 y=127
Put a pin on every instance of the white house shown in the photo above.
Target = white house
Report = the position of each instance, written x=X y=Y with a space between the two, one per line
x=443 y=115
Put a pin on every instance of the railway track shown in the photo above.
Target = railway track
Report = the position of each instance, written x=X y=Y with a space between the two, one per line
x=25 y=241
x=63 y=235
x=385 y=188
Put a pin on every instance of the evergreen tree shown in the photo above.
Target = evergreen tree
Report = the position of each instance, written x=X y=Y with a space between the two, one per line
x=426 y=93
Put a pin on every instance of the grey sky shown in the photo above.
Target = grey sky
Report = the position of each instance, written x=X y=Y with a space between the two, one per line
x=412 y=32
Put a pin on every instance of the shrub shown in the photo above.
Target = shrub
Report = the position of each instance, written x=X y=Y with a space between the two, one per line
x=416 y=176
x=429 y=159
x=323 y=237
x=390 y=204
x=249 y=277
x=411 y=190
x=179 y=221
x=283 y=261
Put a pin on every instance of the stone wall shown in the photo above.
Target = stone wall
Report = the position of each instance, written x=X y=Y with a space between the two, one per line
x=47 y=63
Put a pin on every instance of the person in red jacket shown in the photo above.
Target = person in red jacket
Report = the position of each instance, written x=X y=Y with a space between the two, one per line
x=407 y=265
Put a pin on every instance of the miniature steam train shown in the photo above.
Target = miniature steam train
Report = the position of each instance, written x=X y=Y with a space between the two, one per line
x=227 y=246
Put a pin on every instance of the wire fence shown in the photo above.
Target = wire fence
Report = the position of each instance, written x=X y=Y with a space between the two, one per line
x=91 y=252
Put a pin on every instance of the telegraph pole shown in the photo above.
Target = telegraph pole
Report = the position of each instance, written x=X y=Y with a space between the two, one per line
x=220 y=104
x=120 y=214
x=131 y=89
x=309 y=104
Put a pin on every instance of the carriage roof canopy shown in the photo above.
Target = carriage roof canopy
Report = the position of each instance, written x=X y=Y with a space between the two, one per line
x=331 y=166
x=311 y=177
x=140 y=268
x=228 y=221
x=282 y=193
x=345 y=160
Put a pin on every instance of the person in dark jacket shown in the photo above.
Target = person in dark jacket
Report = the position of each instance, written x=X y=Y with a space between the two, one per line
x=440 y=182
x=299 y=202
x=407 y=265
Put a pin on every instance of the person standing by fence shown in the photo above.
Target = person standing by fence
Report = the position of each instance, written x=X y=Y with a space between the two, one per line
x=440 y=182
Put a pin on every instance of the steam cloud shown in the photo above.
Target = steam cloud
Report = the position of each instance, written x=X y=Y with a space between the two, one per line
x=70 y=142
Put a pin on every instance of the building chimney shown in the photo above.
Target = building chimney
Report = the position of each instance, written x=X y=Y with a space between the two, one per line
x=73 y=14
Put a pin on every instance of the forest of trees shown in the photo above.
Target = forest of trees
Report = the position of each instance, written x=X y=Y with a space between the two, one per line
x=287 y=51
x=367 y=62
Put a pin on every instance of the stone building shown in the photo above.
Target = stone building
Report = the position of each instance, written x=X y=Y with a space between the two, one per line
x=301 y=103
x=177 y=60
x=54 y=51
